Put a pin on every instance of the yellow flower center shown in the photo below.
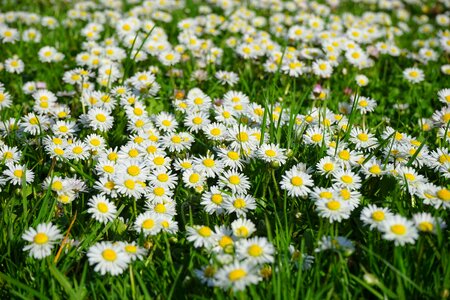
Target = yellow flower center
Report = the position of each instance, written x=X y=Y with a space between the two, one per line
x=102 y=207
x=194 y=178
x=215 y=131
x=296 y=181
x=426 y=226
x=326 y=195
x=410 y=177
x=398 y=229
x=333 y=205
x=208 y=162
x=159 y=160
x=363 y=103
x=234 y=179
x=160 y=208
x=163 y=177
x=197 y=120
x=204 y=231
x=237 y=274
x=109 y=254
x=148 y=224
x=242 y=137
x=347 y=179
x=100 y=117
x=158 y=191
x=345 y=194
x=233 y=155
x=18 y=173
x=225 y=241
x=344 y=154
x=255 y=250
x=131 y=248
x=364 y=137
x=40 y=238
x=217 y=198
x=129 y=184
x=443 y=194
x=328 y=167
x=77 y=150
x=317 y=137
x=58 y=151
x=270 y=153
x=133 y=170
x=378 y=216
x=176 y=139
x=239 y=203
x=242 y=231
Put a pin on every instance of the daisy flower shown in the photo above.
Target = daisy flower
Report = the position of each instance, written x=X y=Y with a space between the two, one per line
x=42 y=239
x=169 y=58
x=374 y=216
x=201 y=236
x=399 y=229
x=361 y=80
x=362 y=139
x=231 y=159
x=236 y=276
x=5 y=99
x=272 y=153
x=444 y=96
x=373 y=168
x=241 y=138
x=338 y=244
x=108 y=258
x=206 y=275
x=162 y=177
x=242 y=228
x=364 y=104
x=322 y=68
x=425 y=222
x=347 y=179
x=34 y=124
x=16 y=173
x=239 y=204
x=296 y=183
x=213 y=200
x=149 y=223
x=134 y=251
x=102 y=209
x=208 y=165
x=316 y=136
x=413 y=75
x=100 y=119
x=193 y=179
x=238 y=183
x=177 y=142
x=255 y=250
x=334 y=209
x=14 y=65
x=129 y=186
x=327 y=165
x=215 y=131
x=165 y=121
x=226 y=77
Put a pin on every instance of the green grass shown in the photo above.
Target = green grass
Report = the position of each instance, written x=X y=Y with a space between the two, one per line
x=414 y=271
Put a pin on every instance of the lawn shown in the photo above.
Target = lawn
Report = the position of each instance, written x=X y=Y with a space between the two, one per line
x=224 y=149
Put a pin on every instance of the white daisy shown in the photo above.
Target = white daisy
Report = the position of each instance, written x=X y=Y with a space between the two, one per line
x=42 y=239
x=108 y=258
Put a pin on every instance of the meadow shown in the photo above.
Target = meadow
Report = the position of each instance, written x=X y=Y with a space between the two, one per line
x=224 y=149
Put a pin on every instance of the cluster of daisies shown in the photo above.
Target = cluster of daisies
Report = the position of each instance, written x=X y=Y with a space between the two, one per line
x=71 y=129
